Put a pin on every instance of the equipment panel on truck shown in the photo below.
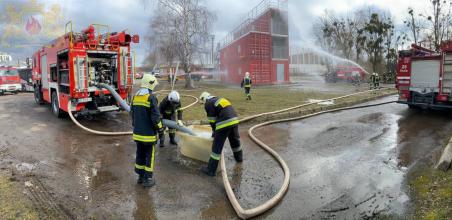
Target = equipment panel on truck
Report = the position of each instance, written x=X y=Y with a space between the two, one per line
x=424 y=77
x=84 y=68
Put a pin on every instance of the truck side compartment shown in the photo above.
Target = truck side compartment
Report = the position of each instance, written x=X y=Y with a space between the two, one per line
x=424 y=77
x=71 y=67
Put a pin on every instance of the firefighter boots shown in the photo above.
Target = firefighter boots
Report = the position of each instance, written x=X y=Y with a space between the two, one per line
x=172 y=137
x=238 y=156
x=211 y=168
x=162 y=137
x=148 y=182
x=140 y=179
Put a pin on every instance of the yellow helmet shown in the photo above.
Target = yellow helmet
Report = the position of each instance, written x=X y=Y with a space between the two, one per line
x=203 y=97
x=149 y=81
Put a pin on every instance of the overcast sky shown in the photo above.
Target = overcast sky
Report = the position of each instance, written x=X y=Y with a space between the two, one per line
x=134 y=15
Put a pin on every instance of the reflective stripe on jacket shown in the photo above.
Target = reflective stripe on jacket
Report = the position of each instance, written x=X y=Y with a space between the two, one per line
x=246 y=82
x=145 y=116
x=220 y=113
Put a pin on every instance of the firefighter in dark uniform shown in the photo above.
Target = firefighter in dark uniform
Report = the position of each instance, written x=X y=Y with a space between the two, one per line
x=146 y=123
x=246 y=83
x=377 y=81
x=170 y=107
x=224 y=123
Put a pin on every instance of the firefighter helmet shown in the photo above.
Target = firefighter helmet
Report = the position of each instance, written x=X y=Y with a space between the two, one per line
x=247 y=75
x=173 y=96
x=204 y=96
x=149 y=81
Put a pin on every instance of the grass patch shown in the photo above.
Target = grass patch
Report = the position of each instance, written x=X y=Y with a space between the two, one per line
x=13 y=203
x=264 y=99
x=432 y=193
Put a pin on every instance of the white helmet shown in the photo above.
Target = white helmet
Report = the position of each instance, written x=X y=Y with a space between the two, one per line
x=247 y=74
x=173 y=96
x=149 y=81
x=203 y=97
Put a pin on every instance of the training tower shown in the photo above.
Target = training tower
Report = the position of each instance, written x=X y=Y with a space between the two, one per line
x=259 y=45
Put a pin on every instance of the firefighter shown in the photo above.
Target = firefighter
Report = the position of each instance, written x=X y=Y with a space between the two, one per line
x=246 y=83
x=356 y=78
x=146 y=123
x=224 y=123
x=377 y=81
x=170 y=107
x=372 y=81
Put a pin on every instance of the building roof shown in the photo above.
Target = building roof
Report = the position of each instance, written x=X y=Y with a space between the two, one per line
x=250 y=17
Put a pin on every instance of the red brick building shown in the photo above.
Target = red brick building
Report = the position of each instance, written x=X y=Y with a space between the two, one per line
x=260 y=45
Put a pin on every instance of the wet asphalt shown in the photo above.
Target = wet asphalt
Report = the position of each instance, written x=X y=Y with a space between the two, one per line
x=350 y=164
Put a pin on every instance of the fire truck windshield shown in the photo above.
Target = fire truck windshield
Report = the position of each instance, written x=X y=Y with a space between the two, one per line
x=9 y=73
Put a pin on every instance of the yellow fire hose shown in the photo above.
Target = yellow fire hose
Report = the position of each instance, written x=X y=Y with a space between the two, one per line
x=248 y=213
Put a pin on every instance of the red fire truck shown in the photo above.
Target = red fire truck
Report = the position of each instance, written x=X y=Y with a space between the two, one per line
x=9 y=80
x=345 y=73
x=424 y=77
x=73 y=67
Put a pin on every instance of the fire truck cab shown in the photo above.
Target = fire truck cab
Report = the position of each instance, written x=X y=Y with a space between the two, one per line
x=72 y=66
x=9 y=80
x=424 y=77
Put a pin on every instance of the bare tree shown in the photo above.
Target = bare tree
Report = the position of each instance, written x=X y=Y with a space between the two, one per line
x=414 y=24
x=439 y=20
x=190 y=23
x=336 y=34
x=163 y=41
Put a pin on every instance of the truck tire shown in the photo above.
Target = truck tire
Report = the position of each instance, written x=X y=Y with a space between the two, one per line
x=38 y=96
x=2 y=92
x=414 y=107
x=55 y=106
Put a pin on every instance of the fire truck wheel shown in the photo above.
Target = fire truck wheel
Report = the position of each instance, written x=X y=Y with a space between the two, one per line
x=38 y=96
x=414 y=107
x=56 y=106
x=2 y=92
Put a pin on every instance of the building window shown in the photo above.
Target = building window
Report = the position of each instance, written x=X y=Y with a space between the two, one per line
x=280 y=49
x=239 y=71
x=239 y=49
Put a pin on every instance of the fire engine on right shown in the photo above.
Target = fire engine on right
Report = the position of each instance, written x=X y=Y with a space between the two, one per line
x=424 y=77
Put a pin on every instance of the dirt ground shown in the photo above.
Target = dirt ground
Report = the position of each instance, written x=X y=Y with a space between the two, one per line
x=58 y=171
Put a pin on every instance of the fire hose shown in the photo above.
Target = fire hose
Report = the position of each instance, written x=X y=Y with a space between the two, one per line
x=249 y=213
x=126 y=107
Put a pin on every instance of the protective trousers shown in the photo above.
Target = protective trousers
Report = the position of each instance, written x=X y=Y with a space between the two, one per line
x=247 y=93
x=231 y=133
x=171 y=131
x=144 y=162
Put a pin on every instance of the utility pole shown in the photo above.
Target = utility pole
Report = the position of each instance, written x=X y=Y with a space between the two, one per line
x=212 y=52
